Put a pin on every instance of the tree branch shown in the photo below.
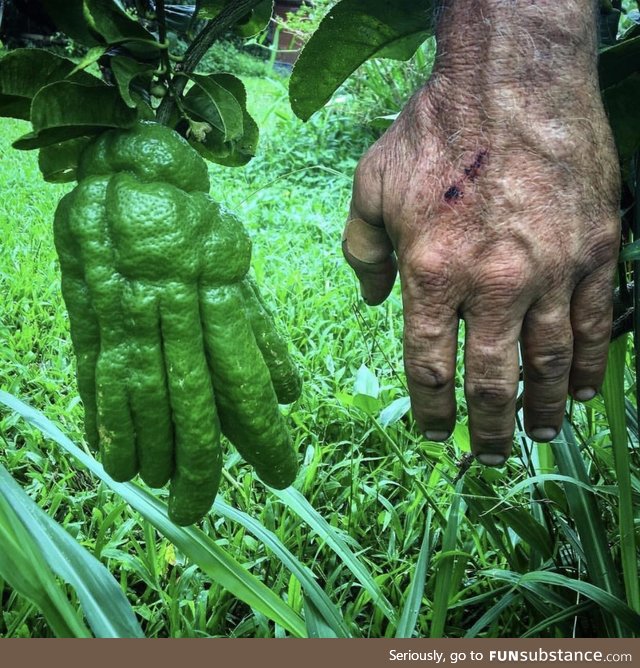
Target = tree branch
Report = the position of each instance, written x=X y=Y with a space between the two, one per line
x=231 y=13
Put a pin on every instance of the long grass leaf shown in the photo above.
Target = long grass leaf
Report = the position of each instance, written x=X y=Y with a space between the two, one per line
x=492 y=614
x=317 y=626
x=444 y=570
x=301 y=507
x=106 y=608
x=413 y=601
x=23 y=566
x=565 y=615
x=588 y=519
x=194 y=543
x=613 y=605
x=314 y=595
x=614 y=401
x=484 y=502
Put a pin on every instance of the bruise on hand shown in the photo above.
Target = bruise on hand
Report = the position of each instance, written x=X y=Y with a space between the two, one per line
x=455 y=192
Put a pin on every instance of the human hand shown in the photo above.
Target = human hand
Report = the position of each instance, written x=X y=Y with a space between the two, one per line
x=497 y=189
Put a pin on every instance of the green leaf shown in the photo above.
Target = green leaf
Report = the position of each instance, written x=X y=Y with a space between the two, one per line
x=630 y=252
x=621 y=102
x=413 y=601
x=395 y=411
x=92 y=56
x=617 y=62
x=488 y=506
x=315 y=598
x=251 y=24
x=103 y=603
x=317 y=626
x=66 y=110
x=366 y=382
x=23 y=72
x=194 y=543
x=492 y=614
x=100 y=22
x=257 y=21
x=23 y=567
x=235 y=152
x=587 y=517
x=68 y=15
x=114 y=24
x=613 y=605
x=126 y=70
x=58 y=162
x=216 y=105
x=445 y=568
x=614 y=401
x=351 y=33
x=301 y=507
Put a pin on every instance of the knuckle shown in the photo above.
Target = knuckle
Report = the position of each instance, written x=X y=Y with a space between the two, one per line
x=493 y=393
x=549 y=366
x=427 y=374
x=428 y=273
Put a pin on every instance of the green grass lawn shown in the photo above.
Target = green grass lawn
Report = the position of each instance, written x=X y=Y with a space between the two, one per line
x=379 y=487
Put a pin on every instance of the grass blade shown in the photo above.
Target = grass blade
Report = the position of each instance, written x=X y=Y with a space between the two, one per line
x=105 y=606
x=492 y=614
x=614 y=401
x=23 y=566
x=315 y=597
x=613 y=605
x=561 y=616
x=301 y=507
x=413 y=601
x=193 y=542
x=588 y=519
x=444 y=569
x=317 y=626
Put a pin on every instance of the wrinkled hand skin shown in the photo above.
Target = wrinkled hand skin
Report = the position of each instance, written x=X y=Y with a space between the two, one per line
x=497 y=190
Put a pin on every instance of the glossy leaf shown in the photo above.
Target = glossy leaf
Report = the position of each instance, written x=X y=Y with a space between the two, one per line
x=68 y=15
x=249 y=25
x=235 y=152
x=617 y=62
x=352 y=32
x=66 y=110
x=621 y=102
x=98 y=22
x=58 y=162
x=126 y=71
x=218 y=564
x=216 y=105
x=23 y=72
x=613 y=392
x=106 y=608
x=587 y=517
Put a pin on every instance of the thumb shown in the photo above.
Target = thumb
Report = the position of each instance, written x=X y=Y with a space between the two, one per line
x=369 y=252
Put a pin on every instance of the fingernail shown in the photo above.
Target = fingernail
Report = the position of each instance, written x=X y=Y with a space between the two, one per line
x=436 y=435
x=585 y=393
x=544 y=434
x=491 y=460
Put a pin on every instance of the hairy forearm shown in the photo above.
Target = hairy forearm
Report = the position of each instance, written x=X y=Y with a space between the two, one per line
x=526 y=41
x=516 y=78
